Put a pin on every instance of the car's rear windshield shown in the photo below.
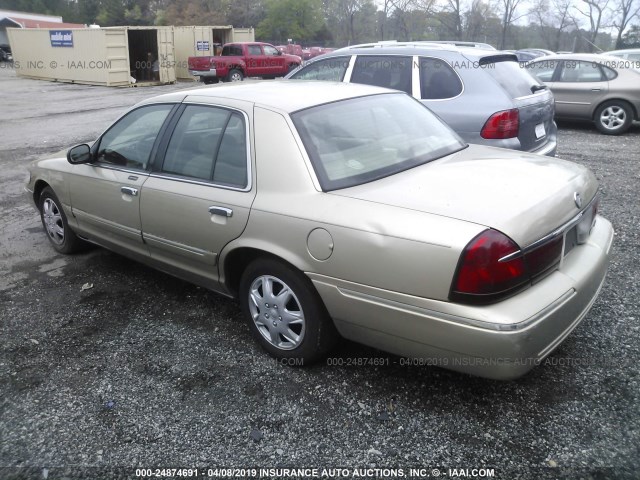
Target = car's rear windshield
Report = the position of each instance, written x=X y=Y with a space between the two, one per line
x=232 y=51
x=359 y=140
x=515 y=79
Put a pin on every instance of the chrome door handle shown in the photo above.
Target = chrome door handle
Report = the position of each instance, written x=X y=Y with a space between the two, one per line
x=129 y=191
x=595 y=89
x=222 y=211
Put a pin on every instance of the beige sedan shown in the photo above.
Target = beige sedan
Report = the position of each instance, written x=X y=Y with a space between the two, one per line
x=598 y=88
x=333 y=209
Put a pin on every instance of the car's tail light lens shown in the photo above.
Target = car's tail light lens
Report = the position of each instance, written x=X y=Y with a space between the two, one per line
x=493 y=267
x=541 y=259
x=505 y=124
x=486 y=271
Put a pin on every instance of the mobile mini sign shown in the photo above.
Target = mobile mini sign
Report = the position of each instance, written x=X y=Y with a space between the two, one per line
x=61 y=38
x=202 y=45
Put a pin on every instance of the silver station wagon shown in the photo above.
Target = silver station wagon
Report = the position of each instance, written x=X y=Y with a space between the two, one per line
x=484 y=95
x=333 y=209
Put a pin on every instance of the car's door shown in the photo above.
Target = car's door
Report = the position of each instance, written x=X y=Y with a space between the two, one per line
x=274 y=61
x=105 y=194
x=256 y=62
x=579 y=86
x=198 y=196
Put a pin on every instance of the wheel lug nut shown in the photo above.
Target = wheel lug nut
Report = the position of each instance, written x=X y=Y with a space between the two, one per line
x=266 y=305
x=279 y=318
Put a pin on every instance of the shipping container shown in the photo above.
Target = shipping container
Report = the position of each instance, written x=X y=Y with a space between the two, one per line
x=113 y=56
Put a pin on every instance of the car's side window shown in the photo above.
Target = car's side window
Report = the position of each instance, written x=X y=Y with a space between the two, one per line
x=579 y=71
x=331 y=69
x=208 y=143
x=543 y=71
x=610 y=73
x=438 y=80
x=388 y=71
x=269 y=50
x=130 y=141
x=254 y=50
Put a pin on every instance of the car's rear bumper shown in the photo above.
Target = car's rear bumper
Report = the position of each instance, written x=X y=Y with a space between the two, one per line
x=204 y=73
x=500 y=341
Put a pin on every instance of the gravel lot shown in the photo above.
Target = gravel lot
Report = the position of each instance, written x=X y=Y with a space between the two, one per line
x=143 y=370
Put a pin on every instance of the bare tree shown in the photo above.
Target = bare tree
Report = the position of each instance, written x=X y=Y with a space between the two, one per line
x=594 y=10
x=451 y=17
x=509 y=15
x=401 y=10
x=626 y=11
x=553 y=19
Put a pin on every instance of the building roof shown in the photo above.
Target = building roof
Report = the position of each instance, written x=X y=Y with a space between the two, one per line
x=33 y=23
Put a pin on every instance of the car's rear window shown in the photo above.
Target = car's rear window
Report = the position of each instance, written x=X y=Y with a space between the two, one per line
x=359 y=140
x=232 y=51
x=515 y=80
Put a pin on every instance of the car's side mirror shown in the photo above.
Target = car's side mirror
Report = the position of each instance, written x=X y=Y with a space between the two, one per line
x=79 y=154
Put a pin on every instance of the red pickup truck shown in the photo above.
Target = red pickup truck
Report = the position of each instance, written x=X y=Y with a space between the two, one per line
x=245 y=59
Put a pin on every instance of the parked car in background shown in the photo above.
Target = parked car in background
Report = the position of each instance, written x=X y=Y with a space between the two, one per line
x=598 y=88
x=528 y=54
x=330 y=208
x=240 y=60
x=483 y=95
x=630 y=54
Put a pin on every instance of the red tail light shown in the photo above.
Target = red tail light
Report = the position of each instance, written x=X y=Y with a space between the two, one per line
x=505 y=124
x=492 y=267
x=483 y=271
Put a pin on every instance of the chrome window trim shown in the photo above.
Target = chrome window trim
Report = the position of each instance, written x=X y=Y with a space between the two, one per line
x=193 y=180
x=349 y=70
x=110 y=166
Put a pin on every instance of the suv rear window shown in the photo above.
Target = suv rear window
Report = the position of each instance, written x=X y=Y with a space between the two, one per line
x=516 y=80
x=389 y=71
x=438 y=80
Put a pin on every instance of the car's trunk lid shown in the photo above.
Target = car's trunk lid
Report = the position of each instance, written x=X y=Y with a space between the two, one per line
x=525 y=196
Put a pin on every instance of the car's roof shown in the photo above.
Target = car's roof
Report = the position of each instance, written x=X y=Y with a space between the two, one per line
x=624 y=50
x=284 y=95
x=588 y=57
x=412 y=48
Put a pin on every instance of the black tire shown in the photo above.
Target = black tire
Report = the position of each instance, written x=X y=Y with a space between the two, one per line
x=613 y=117
x=235 y=75
x=54 y=221
x=316 y=333
x=210 y=80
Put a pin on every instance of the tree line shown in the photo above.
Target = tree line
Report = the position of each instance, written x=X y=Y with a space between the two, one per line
x=574 y=25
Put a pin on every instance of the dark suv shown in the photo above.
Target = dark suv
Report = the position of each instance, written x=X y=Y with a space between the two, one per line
x=484 y=95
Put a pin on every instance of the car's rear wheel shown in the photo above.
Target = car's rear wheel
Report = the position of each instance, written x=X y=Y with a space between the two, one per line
x=209 y=80
x=234 y=75
x=285 y=313
x=54 y=220
x=614 y=117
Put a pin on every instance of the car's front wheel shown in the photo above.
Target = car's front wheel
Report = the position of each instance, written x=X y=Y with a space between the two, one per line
x=614 y=117
x=54 y=220
x=285 y=313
